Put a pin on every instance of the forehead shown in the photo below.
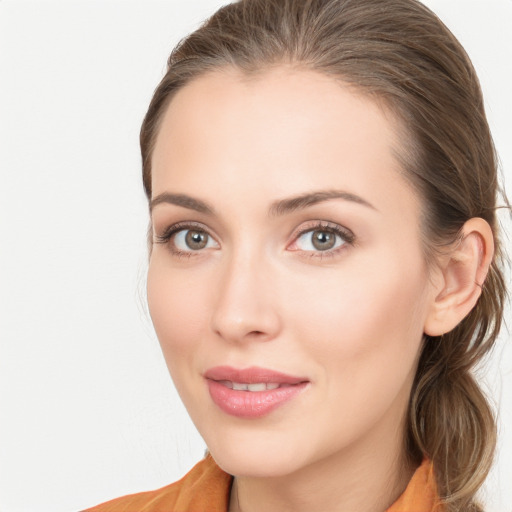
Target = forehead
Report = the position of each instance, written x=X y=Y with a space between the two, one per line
x=227 y=104
x=284 y=131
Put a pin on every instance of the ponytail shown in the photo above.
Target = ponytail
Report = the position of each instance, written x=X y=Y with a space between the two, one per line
x=451 y=422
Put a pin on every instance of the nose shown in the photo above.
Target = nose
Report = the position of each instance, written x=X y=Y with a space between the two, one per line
x=246 y=303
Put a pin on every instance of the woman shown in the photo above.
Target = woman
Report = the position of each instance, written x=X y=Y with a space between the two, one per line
x=324 y=259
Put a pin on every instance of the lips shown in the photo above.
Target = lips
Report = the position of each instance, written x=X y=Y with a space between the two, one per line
x=251 y=392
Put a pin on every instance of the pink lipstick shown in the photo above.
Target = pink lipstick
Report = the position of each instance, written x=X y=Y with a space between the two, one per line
x=251 y=392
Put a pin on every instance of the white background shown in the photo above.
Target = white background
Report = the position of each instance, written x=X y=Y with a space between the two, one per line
x=87 y=410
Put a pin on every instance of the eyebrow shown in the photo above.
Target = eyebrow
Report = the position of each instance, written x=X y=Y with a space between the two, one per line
x=182 y=200
x=284 y=206
x=278 y=208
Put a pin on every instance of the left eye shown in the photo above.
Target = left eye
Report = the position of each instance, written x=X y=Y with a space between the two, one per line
x=319 y=240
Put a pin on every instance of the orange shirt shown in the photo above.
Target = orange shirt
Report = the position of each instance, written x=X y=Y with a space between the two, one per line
x=206 y=488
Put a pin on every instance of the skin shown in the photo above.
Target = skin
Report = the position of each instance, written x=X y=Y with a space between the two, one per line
x=351 y=319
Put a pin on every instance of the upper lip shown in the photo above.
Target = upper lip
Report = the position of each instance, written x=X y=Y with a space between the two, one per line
x=251 y=375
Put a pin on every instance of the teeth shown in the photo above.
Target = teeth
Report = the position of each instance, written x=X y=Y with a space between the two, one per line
x=258 y=386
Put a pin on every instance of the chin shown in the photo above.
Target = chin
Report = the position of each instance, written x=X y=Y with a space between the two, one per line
x=255 y=465
x=258 y=458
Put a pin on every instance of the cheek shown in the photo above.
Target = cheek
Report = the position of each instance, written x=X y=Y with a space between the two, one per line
x=367 y=320
x=177 y=304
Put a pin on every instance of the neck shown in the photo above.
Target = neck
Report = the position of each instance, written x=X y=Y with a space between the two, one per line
x=367 y=478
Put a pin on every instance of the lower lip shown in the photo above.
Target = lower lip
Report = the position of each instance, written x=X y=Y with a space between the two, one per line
x=251 y=404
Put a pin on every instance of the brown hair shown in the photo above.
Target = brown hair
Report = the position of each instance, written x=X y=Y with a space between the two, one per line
x=399 y=52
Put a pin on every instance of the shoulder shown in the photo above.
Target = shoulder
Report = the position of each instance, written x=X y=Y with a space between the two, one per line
x=205 y=488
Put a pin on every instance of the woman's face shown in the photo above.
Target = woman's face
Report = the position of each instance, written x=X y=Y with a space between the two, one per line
x=287 y=257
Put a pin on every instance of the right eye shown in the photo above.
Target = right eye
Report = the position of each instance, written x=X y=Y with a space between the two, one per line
x=186 y=239
x=192 y=240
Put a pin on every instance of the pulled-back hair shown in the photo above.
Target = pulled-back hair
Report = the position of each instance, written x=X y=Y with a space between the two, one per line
x=399 y=53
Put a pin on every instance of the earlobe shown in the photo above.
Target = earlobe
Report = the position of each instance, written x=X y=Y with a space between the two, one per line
x=462 y=274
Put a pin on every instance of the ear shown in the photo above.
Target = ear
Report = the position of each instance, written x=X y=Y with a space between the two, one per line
x=462 y=272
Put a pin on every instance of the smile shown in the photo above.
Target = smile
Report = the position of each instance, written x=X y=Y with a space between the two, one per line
x=252 y=392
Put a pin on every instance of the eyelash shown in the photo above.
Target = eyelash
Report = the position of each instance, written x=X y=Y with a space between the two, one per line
x=345 y=234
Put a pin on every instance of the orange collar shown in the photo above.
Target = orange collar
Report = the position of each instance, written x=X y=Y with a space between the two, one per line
x=420 y=494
